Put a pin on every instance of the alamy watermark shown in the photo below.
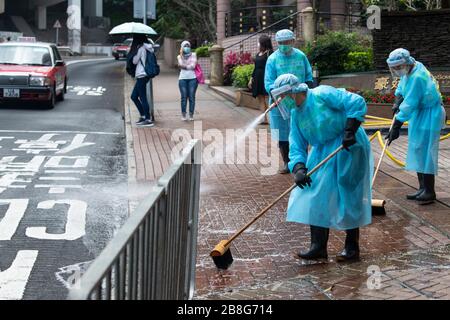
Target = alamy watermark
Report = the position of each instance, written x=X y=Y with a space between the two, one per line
x=231 y=146
x=374 y=280
x=374 y=17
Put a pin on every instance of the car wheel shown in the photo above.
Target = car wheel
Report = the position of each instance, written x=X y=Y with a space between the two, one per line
x=52 y=102
x=61 y=96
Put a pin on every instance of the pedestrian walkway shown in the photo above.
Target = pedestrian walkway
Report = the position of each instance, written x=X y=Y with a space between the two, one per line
x=406 y=253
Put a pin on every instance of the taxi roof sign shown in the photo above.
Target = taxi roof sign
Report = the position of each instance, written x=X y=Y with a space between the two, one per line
x=26 y=39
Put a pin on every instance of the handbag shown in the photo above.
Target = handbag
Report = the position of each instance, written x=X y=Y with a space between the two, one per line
x=199 y=74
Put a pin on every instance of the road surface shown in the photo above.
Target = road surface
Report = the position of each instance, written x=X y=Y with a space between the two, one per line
x=63 y=183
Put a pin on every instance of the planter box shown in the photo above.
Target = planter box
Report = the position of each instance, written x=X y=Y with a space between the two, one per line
x=245 y=99
x=384 y=110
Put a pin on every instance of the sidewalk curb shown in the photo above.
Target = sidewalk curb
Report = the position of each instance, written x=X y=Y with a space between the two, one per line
x=131 y=159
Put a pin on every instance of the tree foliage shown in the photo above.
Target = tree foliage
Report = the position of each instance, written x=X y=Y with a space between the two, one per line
x=193 y=19
x=412 y=5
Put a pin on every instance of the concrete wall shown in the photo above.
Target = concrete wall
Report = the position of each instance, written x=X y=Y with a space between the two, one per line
x=425 y=34
x=171 y=51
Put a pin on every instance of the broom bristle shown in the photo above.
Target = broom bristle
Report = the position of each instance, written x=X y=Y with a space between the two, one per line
x=378 y=211
x=224 y=261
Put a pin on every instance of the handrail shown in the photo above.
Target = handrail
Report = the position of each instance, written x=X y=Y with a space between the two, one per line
x=135 y=264
x=263 y=30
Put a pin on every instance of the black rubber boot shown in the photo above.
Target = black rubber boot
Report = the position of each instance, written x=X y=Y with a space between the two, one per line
x=421 y=188
x=428 y=195
x=318 y=249
x=284 y=150
x=351 y=250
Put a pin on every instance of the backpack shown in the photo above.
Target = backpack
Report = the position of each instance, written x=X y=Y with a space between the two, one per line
x=151 y=66
x=131 y=67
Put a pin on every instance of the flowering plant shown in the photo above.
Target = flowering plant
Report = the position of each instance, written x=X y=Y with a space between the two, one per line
x=232 y=60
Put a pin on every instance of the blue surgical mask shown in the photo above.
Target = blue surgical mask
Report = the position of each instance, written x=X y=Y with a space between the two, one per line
x=284 y=48
x=186 y=50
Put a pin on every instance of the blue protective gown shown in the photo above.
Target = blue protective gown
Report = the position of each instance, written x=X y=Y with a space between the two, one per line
x=278 y=64
x=341 y=193
x=422 y=108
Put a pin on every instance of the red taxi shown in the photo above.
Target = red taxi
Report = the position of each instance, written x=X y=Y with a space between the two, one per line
x=32 y=72
x=120 y=50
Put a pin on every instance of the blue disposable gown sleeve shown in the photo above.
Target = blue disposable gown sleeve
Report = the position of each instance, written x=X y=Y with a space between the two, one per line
x=353 y=104
x=398 y=91
x=308 y=69
x=298 y=145
x=270 y=74
x=412 y=95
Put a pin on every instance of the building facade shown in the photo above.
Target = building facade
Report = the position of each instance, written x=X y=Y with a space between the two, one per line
x=35 y=17
x=252 y=16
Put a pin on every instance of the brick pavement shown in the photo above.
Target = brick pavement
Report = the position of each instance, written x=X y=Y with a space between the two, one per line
x=410 y=245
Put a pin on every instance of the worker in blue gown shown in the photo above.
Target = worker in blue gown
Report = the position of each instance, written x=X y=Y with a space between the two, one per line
x=286 y=59
x=338 y=195
x=419 y=103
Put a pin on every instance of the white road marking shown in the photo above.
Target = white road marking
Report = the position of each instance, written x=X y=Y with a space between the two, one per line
x=10 y=221
x=13 y=280
x=66 y=171
x=59 y=178
x=69 y=63
x=75 y=226
x=57 y=186
x=77 y=142
x=55 y=162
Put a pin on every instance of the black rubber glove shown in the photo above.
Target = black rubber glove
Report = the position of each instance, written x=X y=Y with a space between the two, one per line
x=398 y=101
x=349 y=135
x=395 y=132
x=300 y=176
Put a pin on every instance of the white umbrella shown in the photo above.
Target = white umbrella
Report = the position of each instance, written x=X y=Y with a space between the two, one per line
x=132 y=27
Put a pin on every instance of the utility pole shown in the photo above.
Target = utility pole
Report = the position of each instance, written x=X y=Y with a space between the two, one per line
x=145 y=12
x=150 y=82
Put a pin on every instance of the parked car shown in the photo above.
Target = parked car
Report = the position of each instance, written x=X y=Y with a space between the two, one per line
x=32 y=72
x=121 y=50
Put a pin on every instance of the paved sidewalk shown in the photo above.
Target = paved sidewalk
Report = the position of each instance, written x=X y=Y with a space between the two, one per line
x=410 y=246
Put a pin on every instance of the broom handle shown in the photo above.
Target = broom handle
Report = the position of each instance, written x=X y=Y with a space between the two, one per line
x=237 y=234
x=382 y=155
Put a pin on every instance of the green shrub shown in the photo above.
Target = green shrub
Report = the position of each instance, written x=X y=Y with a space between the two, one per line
x=331 y=51
x=202 y=52
x=359 y=61
x=242 y=74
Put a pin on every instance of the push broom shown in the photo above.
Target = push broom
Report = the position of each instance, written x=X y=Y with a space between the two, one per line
x=221 y=254
x=378 y=205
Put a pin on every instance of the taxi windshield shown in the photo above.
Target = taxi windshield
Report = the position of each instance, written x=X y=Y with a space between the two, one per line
x=25 y=55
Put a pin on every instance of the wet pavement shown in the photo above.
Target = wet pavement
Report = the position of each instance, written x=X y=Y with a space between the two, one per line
x=405 y=254
x=63 y=183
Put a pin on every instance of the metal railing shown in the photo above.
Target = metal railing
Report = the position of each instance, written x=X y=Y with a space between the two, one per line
x=153 y=256
x=292 y=20
x=250 y=42
x=253 y=19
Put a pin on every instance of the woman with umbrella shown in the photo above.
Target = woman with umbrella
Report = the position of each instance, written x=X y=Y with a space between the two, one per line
x=140 y=48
